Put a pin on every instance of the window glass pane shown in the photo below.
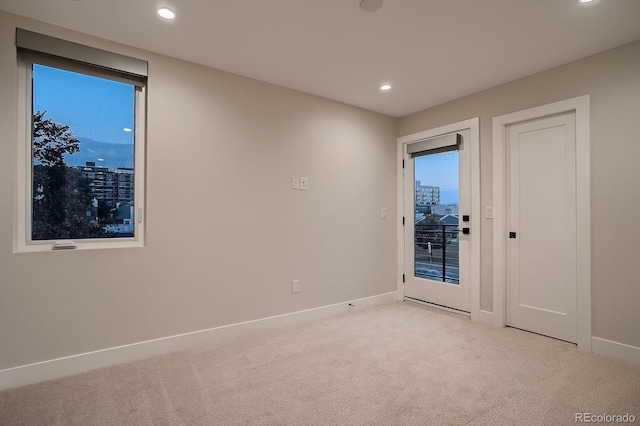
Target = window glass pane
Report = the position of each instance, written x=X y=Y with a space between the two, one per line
x=83 y=156
x=436 y=222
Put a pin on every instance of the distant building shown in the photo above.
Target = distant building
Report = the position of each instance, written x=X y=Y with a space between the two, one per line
x=114 y=186
x=442 y=210
x=450 y=219
x=427 y=195
x=124 y=185
x=125 y=213
x=437 y=220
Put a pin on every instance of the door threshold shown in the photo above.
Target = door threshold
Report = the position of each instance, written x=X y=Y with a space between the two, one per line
x=540 y=334
x=440 y=307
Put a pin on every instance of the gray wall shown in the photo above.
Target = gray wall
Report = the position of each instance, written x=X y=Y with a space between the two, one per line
x=612 y=78
x=225 y=233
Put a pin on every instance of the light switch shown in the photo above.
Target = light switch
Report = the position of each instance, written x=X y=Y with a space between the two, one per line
x=383 y=213
x=295 y=182
x=303 y=183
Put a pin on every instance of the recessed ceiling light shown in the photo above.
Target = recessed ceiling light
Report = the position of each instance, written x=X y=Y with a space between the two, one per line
x=586 y=1
x=166 y=13
x=370 y=5
x=126 y=129
x=385 y=87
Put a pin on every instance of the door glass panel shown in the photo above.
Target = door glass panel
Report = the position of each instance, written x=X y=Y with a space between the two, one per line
x=437 y=198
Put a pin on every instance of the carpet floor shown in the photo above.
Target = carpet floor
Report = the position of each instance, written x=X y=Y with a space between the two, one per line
x=394 y=364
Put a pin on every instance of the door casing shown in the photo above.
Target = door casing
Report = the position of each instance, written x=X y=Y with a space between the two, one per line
x=580 y=106
x=473 y=125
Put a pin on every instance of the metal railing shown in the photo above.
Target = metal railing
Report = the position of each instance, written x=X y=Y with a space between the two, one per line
x=437 y=255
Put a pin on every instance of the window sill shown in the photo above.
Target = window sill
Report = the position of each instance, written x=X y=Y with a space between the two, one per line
x=92 y=245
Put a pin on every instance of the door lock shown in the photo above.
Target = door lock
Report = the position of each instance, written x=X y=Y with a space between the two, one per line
x=512 y=234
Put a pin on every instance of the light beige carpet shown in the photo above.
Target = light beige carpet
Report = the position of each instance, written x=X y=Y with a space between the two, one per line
x=395 y=364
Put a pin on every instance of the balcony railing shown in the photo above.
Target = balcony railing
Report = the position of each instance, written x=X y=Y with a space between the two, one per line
x=437 y=254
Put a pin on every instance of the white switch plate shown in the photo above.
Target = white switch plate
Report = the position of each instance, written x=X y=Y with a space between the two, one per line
x=488 y=212
x=295 y=286
x=383 y=213
x=295 y=182
x=303 y=184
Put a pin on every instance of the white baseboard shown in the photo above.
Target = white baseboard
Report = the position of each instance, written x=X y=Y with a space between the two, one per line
x=616 y=350
x=56 y=368
x=486 y=317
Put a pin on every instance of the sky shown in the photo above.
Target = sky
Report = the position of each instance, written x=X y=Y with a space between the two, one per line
x=93 y=108
x=440 y=170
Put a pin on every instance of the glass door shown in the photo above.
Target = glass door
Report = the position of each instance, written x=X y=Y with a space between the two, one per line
x=437 y=221
x=436 y=217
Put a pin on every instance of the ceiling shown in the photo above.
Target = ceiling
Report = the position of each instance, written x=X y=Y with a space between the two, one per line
x=431 y=51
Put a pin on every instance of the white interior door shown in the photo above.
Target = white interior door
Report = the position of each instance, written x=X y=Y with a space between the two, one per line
x=437 y=194
x=541 y=226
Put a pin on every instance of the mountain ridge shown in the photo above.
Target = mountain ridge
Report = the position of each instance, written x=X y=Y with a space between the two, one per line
x=103 y=154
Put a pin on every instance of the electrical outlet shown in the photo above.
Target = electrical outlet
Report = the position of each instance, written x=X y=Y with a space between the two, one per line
x=303 y=184
x=295 y=182
x=383 y=213
x=295 y=286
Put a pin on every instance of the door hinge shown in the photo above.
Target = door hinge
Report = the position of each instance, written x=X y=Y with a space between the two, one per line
x=403 y=164
x=402 y=220
x=402 y=277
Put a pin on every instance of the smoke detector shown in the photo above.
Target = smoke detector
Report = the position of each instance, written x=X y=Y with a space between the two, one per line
x=370 y=5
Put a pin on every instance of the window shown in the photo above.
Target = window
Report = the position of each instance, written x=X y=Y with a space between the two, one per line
x=81 y=171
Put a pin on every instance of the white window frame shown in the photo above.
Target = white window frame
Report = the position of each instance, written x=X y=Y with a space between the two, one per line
x=23 y=209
